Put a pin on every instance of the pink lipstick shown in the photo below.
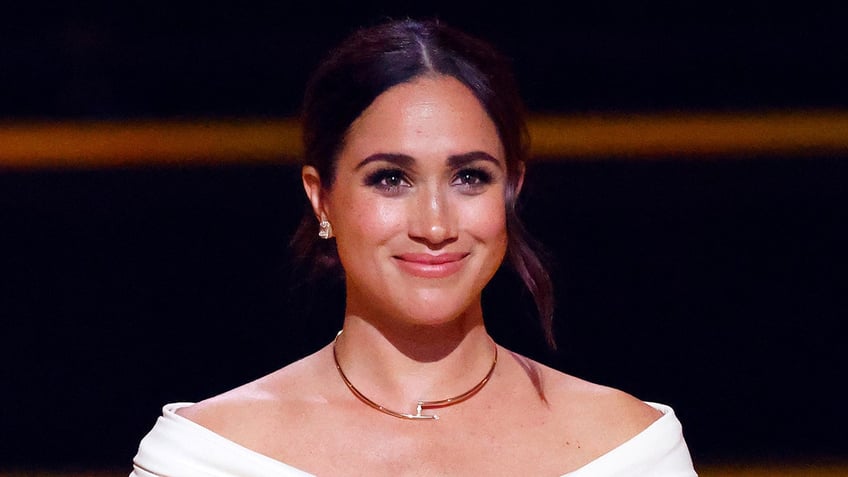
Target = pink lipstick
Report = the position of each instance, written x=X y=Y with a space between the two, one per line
x=425 y=265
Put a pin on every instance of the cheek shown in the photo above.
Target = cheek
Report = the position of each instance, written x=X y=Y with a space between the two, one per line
x=358 y=220
x=487 y=221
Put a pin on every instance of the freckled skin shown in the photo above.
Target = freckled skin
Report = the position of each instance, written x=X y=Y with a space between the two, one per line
x=428 y=120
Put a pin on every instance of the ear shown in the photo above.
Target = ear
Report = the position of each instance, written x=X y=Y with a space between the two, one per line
x=520 y=182
x=314 y=191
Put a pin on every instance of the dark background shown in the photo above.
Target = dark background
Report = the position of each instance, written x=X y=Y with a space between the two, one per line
x=716 y=285
x=156 y=58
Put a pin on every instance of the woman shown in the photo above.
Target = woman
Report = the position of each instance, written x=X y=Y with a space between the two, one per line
x=415 y=154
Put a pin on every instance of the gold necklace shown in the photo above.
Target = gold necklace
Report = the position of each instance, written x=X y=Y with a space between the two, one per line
x=421 y=405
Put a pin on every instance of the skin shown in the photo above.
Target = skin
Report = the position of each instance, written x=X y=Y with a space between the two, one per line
x=417 y=209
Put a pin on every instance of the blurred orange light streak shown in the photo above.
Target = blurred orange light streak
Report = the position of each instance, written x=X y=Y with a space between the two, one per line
x=146 y=143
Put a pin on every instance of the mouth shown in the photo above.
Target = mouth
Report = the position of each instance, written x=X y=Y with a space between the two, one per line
x=425 y=265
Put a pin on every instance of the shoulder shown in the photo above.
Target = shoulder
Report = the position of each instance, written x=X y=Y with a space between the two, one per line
x=604 y=415
x=243 y=413
x=604 y=403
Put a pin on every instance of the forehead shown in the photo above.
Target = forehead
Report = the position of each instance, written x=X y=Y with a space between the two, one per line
x=431 y=115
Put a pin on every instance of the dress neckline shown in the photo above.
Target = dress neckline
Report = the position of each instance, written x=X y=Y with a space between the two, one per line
x=169 y=412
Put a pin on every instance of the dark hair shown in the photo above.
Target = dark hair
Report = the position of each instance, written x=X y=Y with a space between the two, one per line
x=374 y=59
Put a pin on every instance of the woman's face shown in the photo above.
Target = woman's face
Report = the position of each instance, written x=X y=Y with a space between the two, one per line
x=417 y=205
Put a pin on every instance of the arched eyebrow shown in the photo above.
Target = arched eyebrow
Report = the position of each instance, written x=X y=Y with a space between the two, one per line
x=400 y=160
x=456 y=161
x=459 y=161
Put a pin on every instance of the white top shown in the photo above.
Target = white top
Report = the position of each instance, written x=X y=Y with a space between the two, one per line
x=177 y=447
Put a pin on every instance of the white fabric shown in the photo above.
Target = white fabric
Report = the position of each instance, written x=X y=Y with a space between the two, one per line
x=658 y=451
x=178 y=447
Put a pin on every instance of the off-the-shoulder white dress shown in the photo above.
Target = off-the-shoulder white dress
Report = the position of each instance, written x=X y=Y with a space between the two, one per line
x=178 y=447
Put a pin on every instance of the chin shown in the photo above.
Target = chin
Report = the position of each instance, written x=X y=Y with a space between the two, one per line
x=438 y=312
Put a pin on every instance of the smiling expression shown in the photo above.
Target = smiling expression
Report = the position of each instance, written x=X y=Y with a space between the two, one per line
x=417 y=204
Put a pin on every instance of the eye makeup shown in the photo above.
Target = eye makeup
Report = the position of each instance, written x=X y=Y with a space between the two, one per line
x=387 y=179
x=470 y=172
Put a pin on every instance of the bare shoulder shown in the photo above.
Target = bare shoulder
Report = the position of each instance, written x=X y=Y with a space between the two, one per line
x=599 y=401
x=610 y=416
x=242 y=414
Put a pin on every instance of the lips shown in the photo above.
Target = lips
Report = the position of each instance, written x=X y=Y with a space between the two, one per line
x=425 y=265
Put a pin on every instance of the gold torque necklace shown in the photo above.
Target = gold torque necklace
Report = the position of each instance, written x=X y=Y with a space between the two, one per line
x=421 y=405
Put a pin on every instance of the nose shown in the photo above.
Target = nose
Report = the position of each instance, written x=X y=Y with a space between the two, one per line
x=432 y=218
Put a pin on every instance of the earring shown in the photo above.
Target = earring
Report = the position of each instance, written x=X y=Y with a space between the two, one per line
x=325 y=230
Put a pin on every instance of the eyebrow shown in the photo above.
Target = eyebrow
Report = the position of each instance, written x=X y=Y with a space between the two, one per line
x=401 y=160
x=455 y=161
x=461 y=160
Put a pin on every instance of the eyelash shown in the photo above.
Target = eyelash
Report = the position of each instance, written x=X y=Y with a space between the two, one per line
x=381 y=177
x=390 y=180
x=480 y=177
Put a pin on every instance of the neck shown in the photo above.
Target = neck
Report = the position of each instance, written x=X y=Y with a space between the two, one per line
x=399 y=367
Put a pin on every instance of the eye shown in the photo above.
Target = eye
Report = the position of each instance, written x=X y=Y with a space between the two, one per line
x=472 y=178
x=387 y=180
